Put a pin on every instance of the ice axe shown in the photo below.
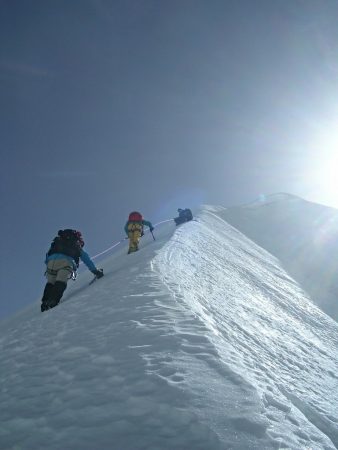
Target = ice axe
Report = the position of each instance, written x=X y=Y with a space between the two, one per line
x=151 y=231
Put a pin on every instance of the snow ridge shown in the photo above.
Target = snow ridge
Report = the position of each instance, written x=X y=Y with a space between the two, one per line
x=198 y=341
x=264 y=328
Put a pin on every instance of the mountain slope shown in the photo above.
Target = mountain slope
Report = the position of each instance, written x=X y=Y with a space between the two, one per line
x=302 y=235
x=200 y=340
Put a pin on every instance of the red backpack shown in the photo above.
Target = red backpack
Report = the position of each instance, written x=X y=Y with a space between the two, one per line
x=135 y=217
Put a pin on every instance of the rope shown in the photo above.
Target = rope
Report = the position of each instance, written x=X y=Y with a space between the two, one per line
x=124 y=239
x=109 y=248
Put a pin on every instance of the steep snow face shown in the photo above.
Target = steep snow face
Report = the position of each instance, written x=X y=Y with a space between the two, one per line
x=198 y=341
x=302 y=235
x=268 y=336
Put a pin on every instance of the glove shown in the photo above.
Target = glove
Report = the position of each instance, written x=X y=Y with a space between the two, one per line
x=98 y=273
x=152 y=229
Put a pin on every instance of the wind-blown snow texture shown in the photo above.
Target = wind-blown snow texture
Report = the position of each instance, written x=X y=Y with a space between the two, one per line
x=199 y=341
x=302 y=235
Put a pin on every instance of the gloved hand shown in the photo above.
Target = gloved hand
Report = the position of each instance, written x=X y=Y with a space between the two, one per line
x=152 y=229
x=98 y=273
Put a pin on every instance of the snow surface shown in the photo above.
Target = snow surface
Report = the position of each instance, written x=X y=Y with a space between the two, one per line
x=302 y=235
x=200 y=340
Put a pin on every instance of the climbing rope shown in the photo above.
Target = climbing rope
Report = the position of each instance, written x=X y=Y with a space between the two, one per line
x=124 y=239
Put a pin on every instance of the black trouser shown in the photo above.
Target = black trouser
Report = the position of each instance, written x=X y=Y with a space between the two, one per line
x=52 y=294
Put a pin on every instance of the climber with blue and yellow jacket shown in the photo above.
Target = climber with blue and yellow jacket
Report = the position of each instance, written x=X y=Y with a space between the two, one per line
x=62 y=260
x=134 y=229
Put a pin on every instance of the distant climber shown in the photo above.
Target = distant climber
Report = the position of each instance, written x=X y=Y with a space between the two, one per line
x=62 y=260
x=134 y=229
x=184 y=215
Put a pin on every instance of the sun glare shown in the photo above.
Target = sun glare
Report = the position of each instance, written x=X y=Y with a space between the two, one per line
x=322 y=175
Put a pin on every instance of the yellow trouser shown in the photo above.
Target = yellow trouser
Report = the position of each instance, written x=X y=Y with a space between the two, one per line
x=134 y=235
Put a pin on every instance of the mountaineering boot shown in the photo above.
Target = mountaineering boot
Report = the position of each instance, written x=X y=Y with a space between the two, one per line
x=57 y=292
x=46 y=296
x=98 y=273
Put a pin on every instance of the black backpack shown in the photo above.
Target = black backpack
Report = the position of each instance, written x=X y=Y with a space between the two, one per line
x=188 y=214
x=68 y=243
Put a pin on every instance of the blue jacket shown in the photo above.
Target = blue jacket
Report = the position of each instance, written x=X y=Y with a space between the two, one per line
x=85 y=258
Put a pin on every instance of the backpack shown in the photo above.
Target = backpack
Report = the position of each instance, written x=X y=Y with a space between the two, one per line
x=134 y=226
x=135 y=217
x=68 y=242
x=188 y=214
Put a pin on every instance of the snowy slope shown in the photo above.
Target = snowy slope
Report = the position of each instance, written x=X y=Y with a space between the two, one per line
x=198 y=341
x=302 y=235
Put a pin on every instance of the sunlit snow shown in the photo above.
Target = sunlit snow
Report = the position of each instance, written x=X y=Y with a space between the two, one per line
x=200 y=340
x=302 y=235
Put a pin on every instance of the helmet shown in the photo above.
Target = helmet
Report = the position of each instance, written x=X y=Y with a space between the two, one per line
x=135 y=216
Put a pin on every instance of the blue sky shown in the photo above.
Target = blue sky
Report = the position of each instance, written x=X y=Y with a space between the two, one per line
x=111 y=106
